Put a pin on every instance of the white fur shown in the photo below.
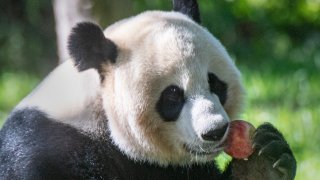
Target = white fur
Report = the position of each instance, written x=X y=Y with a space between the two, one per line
x=207 y=114
x=157 y=49
x=67 y=96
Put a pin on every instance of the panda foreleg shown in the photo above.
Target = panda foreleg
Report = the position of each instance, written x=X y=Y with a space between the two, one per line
x=272 y=159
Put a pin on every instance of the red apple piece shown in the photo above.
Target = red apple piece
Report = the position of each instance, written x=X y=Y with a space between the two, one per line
x=239 y=140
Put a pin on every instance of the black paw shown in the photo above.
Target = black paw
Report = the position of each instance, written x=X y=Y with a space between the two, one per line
x=269 y=143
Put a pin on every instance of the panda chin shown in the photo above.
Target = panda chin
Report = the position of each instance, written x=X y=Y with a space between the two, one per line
x=201 y=151
x=205 y=149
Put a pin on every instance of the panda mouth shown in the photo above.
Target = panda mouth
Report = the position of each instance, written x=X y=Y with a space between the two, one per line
x=198 y=150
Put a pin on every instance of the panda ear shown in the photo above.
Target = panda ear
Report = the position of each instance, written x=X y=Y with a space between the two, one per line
x=187 y=7
x=89 y=48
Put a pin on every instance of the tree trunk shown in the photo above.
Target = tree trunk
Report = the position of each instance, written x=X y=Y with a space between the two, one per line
x=67 y=13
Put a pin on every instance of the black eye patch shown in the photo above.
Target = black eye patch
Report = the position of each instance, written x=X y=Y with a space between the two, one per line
x=218 y=87
x=170 y=103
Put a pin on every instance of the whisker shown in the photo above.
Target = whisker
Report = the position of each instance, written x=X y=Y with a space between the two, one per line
x=202 y=149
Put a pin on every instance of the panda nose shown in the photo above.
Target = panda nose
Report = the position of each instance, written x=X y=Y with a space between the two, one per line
x=215 y=134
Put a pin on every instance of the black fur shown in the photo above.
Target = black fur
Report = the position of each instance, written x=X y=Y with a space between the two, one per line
x=170 y=103
x=218 y=87
x=269 y=142
x=89 y=48
x=188 y=7
x=32 y=146
x=272 y=159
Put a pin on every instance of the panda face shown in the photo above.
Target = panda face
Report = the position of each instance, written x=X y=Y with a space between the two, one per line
x=172 y=90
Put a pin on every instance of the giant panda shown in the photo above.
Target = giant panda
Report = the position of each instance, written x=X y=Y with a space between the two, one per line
x=151 y=97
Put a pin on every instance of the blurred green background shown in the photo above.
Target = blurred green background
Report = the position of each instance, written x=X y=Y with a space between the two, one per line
x=276 y=45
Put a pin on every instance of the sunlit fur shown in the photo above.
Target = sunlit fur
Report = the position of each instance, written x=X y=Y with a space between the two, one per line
x=68 y=96
x=158 y=49
x=155 y=49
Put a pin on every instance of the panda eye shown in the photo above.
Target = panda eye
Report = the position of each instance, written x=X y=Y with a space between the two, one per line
x=173 y=94
x=218 y=87
x=170 y=103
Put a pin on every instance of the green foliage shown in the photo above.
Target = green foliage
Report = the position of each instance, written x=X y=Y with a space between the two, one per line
x=289 y=100
x=27 y=36
x=13 y=87
x=275 y=43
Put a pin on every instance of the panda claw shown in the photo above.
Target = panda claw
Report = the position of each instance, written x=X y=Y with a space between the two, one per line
x=276 y=164
x=286 y=165
x=262 y=150
x=254 y=145
x=281 y=170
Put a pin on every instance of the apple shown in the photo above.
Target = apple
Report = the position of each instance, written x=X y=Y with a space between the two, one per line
x=238 y=143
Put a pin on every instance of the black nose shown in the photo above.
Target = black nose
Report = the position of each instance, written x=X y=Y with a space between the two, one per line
x=215 y=134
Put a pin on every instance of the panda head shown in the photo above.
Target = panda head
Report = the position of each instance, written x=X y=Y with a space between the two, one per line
x=169 y=88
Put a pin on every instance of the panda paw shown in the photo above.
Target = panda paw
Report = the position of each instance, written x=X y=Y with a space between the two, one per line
x=272 y=158
x=269 y=143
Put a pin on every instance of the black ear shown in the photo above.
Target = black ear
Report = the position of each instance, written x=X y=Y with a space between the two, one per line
x=187 y=7
x=89 y=48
